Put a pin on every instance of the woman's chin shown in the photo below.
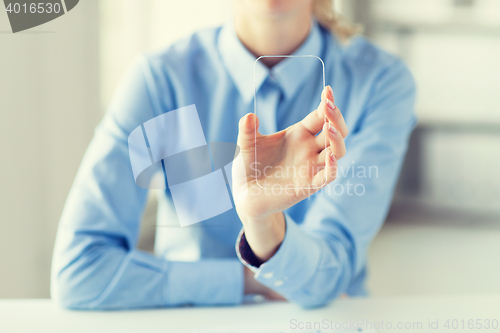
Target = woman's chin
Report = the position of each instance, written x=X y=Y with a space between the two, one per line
x=275 y=7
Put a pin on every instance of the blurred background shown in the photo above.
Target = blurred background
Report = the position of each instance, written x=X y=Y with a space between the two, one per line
x=442 y=235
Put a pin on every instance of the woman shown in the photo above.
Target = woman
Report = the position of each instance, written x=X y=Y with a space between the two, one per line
x=305 y=251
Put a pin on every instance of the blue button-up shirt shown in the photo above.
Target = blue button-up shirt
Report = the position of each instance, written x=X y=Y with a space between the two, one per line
x=96 y=263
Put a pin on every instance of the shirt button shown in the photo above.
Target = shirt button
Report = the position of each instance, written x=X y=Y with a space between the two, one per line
x=268 y=275
x=278 y=283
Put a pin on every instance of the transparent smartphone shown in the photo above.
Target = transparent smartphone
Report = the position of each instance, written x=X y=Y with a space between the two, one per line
x=258 y=170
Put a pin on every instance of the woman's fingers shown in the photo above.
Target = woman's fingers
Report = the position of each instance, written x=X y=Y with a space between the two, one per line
x=321 y=139
x=333 y=138
x=337 y=143
x=314 y=121
x=328 y=173
x=320 y=159
x=333 y=113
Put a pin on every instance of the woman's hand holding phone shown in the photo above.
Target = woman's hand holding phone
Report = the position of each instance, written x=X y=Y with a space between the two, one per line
x=274 y=172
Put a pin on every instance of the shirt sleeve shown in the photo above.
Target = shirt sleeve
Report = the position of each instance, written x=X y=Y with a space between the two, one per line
x=324 y=253
x=95 y=263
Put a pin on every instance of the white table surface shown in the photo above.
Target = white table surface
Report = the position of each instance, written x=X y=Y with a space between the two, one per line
x=44 y=316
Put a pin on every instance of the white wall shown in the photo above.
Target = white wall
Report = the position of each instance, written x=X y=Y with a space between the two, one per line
x=446 y=236
x=49 y=105
x=129 y=27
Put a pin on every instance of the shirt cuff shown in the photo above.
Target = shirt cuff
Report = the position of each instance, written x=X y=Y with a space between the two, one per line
x=206 y=282
x=290 y=267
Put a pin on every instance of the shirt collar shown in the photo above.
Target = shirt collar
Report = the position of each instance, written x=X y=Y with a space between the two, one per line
x=289 y=74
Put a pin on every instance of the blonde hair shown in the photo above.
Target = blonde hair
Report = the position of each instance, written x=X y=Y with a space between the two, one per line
x=328 y=18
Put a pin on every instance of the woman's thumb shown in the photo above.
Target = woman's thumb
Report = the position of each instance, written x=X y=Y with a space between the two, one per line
x=248 y=129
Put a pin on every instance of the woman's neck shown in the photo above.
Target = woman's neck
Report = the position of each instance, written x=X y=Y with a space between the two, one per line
x=272 y=35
